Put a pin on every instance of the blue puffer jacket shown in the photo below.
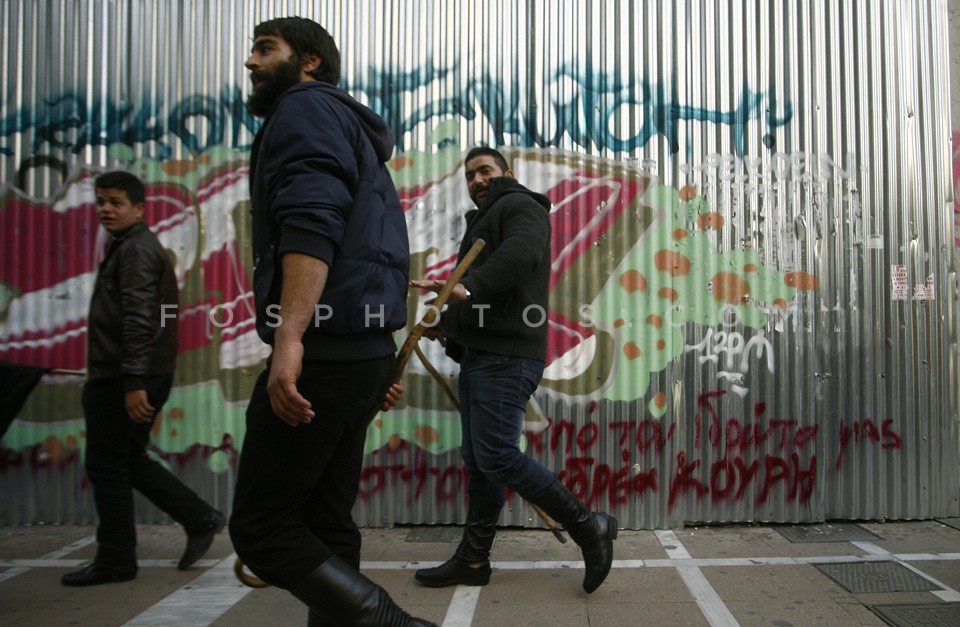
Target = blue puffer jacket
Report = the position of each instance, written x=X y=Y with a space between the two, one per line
x=319 y=186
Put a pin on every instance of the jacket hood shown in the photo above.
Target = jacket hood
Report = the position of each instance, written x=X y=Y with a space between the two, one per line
x=373 y=125
x=503 y=185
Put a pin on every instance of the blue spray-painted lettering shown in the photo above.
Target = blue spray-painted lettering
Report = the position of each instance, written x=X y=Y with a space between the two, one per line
x=585 y=107
x=595 y=102
x=71 y=123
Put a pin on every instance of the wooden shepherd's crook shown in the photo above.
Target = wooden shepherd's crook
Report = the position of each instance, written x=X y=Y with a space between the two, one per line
x=403 y=357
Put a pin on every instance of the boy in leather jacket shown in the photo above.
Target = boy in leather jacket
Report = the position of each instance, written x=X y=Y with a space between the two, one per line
x=131 y=357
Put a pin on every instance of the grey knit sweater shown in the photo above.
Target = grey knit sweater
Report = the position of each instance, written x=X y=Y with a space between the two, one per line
x=509 y=280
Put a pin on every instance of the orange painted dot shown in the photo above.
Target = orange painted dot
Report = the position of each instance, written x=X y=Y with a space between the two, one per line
x=400 y=163
x=782 y=304
x=801 y=281
x=661 y=345
x=427 y=435
x=633 y=281
x=688 y=192
x=173 y=433
x=679 y=234
x=750 y=267
x=394 y=442
x=379 y=423
x=631 y=350
x=179 y=167
x=655 y=320
x=668 y=293
x=728 y=287
x=672 y=263
x=53 y=447
x=712 y=220
x=619 y=323
x=72 y=441
x=660 y=400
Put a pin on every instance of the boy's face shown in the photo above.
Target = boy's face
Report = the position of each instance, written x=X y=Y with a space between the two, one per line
x=115 y=210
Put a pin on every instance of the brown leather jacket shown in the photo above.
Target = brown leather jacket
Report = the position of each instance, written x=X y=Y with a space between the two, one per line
x=127 y=337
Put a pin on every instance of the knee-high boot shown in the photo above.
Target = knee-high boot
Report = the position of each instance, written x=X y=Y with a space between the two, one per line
x=470 y=564
x=341 y=595
x=594 y=532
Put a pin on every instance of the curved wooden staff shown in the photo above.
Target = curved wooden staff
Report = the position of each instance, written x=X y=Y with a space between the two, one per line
x=430 y=318
x=246 y=578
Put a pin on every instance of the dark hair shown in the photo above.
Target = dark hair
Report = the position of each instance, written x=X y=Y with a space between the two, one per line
x=306 y=37
x=479 y=151
x=124 y=181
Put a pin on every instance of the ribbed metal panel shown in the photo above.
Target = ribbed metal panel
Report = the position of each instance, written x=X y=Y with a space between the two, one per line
x=753 y=306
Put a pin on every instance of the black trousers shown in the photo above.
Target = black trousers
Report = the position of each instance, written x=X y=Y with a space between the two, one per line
x=296 y=486
x=117 y=463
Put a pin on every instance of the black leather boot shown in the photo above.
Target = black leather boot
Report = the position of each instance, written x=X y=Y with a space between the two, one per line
x=342 y=596
x=200 y=538
x=594 y=532
x=470 y=564
x=96 y=574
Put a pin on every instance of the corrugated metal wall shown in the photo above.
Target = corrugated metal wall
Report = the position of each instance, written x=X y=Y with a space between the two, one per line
x=754 y=297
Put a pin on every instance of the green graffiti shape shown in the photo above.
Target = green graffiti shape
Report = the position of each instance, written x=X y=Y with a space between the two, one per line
x=673 y=276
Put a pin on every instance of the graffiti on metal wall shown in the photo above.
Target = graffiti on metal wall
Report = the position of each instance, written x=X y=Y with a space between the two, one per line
x=641 y=278
x=581 y=109
x=583 y=103
x=752 y=458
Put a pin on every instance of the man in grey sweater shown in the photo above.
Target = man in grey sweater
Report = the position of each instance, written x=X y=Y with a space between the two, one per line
x=496 y=328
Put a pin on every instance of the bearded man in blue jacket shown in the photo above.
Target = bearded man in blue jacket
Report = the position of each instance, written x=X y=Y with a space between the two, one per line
x=330 y=281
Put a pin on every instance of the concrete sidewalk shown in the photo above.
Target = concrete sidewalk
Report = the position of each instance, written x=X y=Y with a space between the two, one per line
x=830 y=574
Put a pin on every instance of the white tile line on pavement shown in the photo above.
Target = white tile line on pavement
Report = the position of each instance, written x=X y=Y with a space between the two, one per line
x=462 y=606
x=946 y=593
x=711 y=605
x=74 y=563
x=53 y=555
x=697 y=562
x=199 y=603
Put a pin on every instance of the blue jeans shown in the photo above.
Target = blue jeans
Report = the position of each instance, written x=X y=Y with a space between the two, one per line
x=494 y=390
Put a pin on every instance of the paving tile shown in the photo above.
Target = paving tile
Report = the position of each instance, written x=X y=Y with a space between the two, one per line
x=266 y=606
x=33 y=541
x=642 y=585
x=751 y=541
x=922 y=536
x=753 y=583
x=946 y=572
x=674 y=614
x=785 y=595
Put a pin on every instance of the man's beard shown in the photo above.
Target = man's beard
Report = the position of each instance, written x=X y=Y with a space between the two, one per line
x=274 y=84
